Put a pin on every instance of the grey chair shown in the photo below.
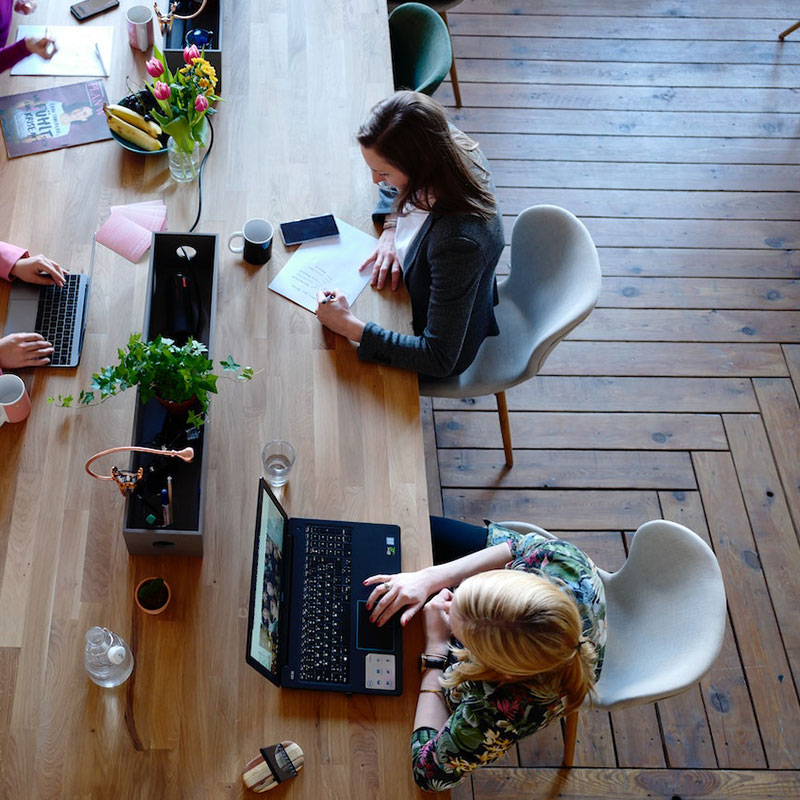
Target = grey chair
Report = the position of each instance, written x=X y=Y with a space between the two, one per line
x=442 y=7
x=665 y=612
x=553 y=285
x=421 y=50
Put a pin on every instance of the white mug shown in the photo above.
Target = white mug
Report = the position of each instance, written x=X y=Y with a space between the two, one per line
x=15 y=405
x=140 y=27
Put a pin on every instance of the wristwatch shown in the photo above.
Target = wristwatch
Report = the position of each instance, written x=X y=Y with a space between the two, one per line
x=428 y=661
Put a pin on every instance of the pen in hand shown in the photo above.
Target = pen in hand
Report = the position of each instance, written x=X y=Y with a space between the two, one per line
x=328 y=297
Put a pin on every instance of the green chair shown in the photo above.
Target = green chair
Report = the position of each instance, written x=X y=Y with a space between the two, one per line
x=441 y=7
x=421 y=51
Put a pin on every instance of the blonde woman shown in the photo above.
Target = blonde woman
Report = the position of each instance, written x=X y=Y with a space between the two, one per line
x=506 y=653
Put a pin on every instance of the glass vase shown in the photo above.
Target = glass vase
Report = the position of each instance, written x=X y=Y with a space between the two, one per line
x=183 y=166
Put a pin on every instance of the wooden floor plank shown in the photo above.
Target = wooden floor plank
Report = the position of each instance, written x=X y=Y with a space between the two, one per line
x=757 y=633
x=665 y=359
x=717 y=293
x=596 y=26
x=643 y=203
x=781 y=414
x=771 y=523
x=567 y=469
x=699 y=262
x=622 y=73
x=554 y=509
x=792 y=354
x=725 y=708
x=651 y=51
x=431 y=458
x=664 y=177
x=688 y=325
x=622 y=11
x=622 y=123
x=607 y=393
x=551 y=430
x=635 y=784
x=642 y=232
x=639 y=149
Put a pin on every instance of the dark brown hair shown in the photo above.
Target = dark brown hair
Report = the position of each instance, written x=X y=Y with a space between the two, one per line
x=410 y=131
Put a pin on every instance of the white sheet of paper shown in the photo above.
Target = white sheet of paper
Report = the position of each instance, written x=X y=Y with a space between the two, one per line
x=327 y=264
x=76 y=51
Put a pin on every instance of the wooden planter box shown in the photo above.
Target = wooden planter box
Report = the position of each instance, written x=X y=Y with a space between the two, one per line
x=193 y=255
x=175 y=40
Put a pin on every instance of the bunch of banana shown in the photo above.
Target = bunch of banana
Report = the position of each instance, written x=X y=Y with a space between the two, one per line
x=133 y=127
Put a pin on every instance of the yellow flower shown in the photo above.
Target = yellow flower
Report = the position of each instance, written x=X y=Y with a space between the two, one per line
x=203 y=83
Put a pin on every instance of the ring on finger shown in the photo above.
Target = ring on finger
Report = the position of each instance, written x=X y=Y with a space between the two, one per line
x=387 y=585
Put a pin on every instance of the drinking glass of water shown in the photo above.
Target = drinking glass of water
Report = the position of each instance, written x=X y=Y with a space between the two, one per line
x=278 y=458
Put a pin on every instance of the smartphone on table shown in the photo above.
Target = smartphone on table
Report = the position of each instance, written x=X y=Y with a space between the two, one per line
x=91 y=8
x=306 y=230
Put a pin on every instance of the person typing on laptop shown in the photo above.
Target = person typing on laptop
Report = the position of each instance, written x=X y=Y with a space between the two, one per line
x=27 y=349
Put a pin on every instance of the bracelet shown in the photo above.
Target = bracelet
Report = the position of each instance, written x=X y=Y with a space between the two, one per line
x=390 y=224
x=436 y=691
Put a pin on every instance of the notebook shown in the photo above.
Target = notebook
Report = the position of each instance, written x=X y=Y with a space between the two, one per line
x=58 y=313
x=308 y=626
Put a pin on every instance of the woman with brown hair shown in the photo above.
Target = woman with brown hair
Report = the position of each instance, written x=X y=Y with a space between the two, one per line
x=507 y=652
x=444 y=235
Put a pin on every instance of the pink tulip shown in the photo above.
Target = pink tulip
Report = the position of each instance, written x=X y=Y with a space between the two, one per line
x=200 y=104
x=161 y=91
x=190 y=52
x=154 y=67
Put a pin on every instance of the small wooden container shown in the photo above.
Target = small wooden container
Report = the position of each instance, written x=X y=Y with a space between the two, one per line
x=274 y=765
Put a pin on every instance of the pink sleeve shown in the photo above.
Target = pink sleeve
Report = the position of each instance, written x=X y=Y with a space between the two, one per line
x=9 y=255
x=13 y=54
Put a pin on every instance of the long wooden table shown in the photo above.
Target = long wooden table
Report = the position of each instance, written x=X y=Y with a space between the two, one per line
x=298 y=78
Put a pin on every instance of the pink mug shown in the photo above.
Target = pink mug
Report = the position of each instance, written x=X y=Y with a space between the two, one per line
x=15 y=405
x=140 y=27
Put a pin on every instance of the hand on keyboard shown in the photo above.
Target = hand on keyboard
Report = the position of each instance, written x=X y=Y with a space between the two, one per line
x=39 y=269
x=24 y=350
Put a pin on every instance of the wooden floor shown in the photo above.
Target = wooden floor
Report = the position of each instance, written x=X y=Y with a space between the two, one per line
x=670 y=127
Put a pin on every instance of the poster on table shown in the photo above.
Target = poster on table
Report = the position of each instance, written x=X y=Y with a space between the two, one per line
x=49 y=119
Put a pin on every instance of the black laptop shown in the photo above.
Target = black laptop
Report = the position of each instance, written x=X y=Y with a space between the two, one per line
x=58 y=313
x=308 y=626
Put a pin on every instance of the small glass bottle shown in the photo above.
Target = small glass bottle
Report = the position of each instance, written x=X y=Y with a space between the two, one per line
x=107 y=657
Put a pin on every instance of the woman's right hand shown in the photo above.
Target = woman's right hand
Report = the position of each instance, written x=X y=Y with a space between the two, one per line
x=24 y=350
x=384 y=262
x=407 y=590
x=42 y=46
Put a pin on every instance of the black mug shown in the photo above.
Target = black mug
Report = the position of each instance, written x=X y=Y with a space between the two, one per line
x=256 y=236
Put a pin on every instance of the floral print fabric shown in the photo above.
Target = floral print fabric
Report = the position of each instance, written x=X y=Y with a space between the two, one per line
x=488 y=718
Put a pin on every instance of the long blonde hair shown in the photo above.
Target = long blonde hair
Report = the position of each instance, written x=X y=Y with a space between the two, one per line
x=516 y=626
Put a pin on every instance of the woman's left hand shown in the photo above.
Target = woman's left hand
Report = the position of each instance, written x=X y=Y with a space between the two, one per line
x=333 y=311
x=25 y=6
x=437 y=622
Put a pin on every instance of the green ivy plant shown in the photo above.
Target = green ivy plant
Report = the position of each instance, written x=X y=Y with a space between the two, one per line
x=163 y=369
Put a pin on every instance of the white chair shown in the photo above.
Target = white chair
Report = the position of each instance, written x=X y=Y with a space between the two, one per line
x=553 y=286
x=665 y=612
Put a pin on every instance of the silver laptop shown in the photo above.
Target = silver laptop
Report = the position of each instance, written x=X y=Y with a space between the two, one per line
x=58 y=313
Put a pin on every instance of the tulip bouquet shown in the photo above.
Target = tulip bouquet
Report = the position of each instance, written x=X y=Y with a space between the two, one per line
x=184 y=97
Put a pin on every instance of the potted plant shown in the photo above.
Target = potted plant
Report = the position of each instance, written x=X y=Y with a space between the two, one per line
x=152 y=595
x=179 y=376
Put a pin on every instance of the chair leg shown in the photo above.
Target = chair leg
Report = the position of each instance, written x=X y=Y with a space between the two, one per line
x=570 y=736
x=505 y=427
x=453 y=73
x=789 y=30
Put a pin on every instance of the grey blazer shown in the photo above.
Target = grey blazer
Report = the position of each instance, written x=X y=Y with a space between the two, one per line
x=449 y=274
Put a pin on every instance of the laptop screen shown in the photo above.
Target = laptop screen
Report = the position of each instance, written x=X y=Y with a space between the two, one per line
x=263 y=644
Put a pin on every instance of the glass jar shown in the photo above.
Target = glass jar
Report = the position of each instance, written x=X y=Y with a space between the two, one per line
x=183 y=166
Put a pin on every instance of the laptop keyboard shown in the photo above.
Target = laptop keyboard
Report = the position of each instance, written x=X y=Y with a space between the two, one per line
x=55 y=319
x=325 y=636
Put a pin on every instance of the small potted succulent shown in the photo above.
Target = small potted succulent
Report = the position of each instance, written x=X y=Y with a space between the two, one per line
x=180 y=377
x=152 y=595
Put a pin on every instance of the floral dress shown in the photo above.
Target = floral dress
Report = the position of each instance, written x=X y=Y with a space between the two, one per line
x=488 y=718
